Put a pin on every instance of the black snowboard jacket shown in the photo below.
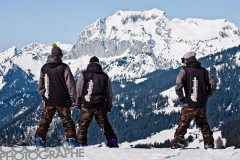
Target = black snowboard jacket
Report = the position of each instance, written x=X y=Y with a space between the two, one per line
x=197 y=83
x=57 y=85
x=94 y=88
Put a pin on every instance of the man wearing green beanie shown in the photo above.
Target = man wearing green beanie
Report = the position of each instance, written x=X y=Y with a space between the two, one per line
x=58 y=90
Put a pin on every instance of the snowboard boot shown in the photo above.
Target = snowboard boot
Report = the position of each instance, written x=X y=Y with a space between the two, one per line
x=72 y=143
x=207 y=146
x=112 y=143
x=208 y=140
x=39 y=142
x=177 y=144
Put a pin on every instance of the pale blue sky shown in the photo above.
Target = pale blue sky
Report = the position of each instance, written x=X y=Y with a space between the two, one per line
x=46 y=21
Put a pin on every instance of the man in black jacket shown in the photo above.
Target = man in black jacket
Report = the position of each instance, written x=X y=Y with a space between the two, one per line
x=94 y=98
x=58 y=89
x=198 y=86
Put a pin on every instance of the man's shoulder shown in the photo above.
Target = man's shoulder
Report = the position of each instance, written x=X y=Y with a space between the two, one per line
x=203 y=68
x=191 y=67
x=47 y=65
x=105 y=74
x=64 y=65
x=44 y=66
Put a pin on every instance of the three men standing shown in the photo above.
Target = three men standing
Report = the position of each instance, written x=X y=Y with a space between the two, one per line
x=94 y=98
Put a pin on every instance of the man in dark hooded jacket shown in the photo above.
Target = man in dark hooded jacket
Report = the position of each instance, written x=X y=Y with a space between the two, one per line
x=94 y=98
x=58 y=89
x=198 y=86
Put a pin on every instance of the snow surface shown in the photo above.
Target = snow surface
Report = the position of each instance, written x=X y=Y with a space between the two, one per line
x=238 y=59
x=156 y=154
x=168 y=134
x=140 y=80
x=22 y=110
x=171 y=96
x=104 y=153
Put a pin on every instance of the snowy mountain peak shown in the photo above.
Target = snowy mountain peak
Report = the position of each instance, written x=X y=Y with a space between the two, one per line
x=34 y=49
x=141 y=42
x=121 y=24
x=151 y=32
x=204 y=30
x=30 y=58
x=132 y=44
x=147 y=14
x=5 y=55
x=37 y=48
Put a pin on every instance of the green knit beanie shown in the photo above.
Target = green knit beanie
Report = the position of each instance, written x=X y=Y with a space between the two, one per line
x=54 y=45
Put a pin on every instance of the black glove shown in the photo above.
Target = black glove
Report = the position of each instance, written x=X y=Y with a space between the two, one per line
x=109 y=109
x=70 y=103
x=182 y=99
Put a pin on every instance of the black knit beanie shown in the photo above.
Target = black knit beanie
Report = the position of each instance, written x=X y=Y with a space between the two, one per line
x=94 y=59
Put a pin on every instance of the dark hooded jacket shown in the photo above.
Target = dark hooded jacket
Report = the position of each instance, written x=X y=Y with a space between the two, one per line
x=56 y=84
x=197 y=83
x=94 y=88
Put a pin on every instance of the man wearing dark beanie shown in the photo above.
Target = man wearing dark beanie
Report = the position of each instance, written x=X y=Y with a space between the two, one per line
x=58 y=90
x=94 y=99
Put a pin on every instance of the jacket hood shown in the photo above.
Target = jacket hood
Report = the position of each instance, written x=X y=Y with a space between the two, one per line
x=54 y=61
x=94 y=67
x=192 y=61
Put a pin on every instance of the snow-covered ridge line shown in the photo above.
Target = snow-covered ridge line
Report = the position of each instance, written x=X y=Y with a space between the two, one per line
x=131 y=44
x=30 y=58
x=152 y=31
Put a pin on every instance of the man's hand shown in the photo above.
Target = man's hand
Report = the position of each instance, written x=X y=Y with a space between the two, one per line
x=182 y=99
x=70 y=103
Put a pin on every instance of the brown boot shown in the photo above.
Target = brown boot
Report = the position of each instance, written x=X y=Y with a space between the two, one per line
x=178 y=142
x=208 y=141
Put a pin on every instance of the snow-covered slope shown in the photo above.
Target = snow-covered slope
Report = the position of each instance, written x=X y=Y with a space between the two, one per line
x=103 y=153
x=5 y=63
x=30 y=59
x=170 y=94
x=161 y=137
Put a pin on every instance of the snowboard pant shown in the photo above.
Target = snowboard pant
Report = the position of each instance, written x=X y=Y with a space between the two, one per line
x=187 y=115
x=64 y=113
x=100 y=115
